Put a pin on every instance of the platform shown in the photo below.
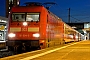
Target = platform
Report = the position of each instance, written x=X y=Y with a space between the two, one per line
x=71 y=51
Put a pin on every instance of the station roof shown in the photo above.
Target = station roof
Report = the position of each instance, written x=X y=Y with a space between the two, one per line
x=3 y=18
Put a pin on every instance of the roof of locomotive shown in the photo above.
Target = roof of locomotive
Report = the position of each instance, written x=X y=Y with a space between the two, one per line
x=29 y=4
x=35 y=4
x=27 y=8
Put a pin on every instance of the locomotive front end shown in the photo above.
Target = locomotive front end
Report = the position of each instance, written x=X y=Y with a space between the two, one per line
x=24 y=29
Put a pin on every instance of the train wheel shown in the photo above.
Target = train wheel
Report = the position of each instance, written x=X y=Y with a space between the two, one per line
x=63 y=41
x=10 y=48
x=15 y=49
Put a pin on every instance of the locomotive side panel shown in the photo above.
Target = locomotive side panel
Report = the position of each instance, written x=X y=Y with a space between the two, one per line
x=54 y=30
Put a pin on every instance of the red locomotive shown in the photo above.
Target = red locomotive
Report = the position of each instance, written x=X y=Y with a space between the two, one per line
x=34 y=27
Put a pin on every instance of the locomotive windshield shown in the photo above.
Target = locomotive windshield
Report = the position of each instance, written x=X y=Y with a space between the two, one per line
x=25 y=17
x=32 y=17
x=18 y=16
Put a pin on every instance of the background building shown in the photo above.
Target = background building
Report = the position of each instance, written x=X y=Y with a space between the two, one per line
x=3 y=28
x=77 y=26
x=87 y=29
x=83 y=28
x=9 y=4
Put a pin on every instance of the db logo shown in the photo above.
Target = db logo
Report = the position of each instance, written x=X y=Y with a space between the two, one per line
x=24 y=29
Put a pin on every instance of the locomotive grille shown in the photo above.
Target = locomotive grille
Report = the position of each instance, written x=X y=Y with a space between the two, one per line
x=15 y=29
x=30 y=29
x=35 y=29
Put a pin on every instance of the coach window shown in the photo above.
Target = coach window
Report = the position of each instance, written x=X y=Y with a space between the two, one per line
x=18 y=16
x=32 y=17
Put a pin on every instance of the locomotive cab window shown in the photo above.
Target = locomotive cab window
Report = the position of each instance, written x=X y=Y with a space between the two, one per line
x=18 y=16
x=25 y=17
x=32 y=17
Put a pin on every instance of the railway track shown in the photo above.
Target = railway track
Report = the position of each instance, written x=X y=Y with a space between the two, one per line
x=6 y=53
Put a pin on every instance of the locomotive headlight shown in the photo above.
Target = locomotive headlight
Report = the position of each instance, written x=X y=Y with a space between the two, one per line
x=11 y=35
x=36 y=35
x=25 y=23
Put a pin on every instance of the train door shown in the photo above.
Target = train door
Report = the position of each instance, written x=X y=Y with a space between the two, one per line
x=1 y=35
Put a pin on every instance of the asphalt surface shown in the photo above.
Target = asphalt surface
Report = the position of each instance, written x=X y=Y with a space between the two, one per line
x=72 y=51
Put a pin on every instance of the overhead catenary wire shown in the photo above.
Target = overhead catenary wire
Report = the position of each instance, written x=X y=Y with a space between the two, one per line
x=76 y=19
